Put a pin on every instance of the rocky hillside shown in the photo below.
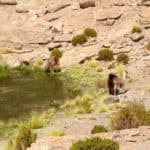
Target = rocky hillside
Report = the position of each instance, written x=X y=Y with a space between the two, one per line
x=31 y=28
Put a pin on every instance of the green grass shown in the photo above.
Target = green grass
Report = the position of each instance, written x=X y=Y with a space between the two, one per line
x=98 y=129
x=56 y=132
x=4 y=70
x=95 y=143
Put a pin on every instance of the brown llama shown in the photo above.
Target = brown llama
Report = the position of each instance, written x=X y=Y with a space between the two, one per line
x=52 y=64
x=116 y=84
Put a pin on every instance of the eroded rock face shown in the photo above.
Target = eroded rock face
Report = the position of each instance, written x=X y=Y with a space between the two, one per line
x=8 y=2
x=146 y=3
x=107 y=13
x=144 y=16
x=22 y=8
x=119 y=2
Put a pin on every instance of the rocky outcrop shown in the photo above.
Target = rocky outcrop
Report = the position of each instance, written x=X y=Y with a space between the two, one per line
x=135 y=139
x=137 y=37
x=146 y=3
x=56 y=7
x=119 y=2
x=107 y=13
x=22 y=8
x=8 y=2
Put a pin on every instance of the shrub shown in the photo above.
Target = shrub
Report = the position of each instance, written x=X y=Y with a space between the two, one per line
x=95 y=143
x=136 y=29
x=148 y=46
x=56 y=132
x=35 y=122
x=25 y=138
x=4 y=70
x=89 y=32
x=130 y=116
x=103 y=107
x=106 y=55
x=98 y=129
x=79 y=39
x=80 y=105
x=57 y=53
x=123 y=58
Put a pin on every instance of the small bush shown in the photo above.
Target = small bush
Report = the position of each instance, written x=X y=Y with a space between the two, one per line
x=89 y=32
x=56 y=132
x=4 y=70
x=80 y=105
x=136 y=29
x=103 y=107
x=123 y=58
x=25 y=138
x=35 y=122
x=83 y=105
x=57 y=53
x=98 y=129
x=79 y=39
x=106 y=55
x=130 y=117
x=95 y=143
x=148 y=46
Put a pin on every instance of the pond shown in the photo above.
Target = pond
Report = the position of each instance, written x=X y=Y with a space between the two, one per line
x=23 y=93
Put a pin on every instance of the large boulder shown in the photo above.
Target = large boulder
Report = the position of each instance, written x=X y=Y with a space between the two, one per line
x=8 y=2
x=87 y=3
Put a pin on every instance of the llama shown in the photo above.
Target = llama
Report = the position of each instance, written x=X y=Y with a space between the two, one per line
x=116 y=84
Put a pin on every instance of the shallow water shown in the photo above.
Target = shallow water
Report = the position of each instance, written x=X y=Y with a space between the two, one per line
x=23 y=93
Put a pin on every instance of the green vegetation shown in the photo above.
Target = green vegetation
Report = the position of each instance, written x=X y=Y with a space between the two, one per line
x=4 y=70
x=106 y=55
x=79 y=39
x=136 y=29
x=148 y=46
x=95 y=143
x=130 y=116
x=23 y=140
x=56 y=132
x=89 y=32
x=56 y=53
x=98 y=129
x=123 y=58
x=80 y=105
x=83 y=38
